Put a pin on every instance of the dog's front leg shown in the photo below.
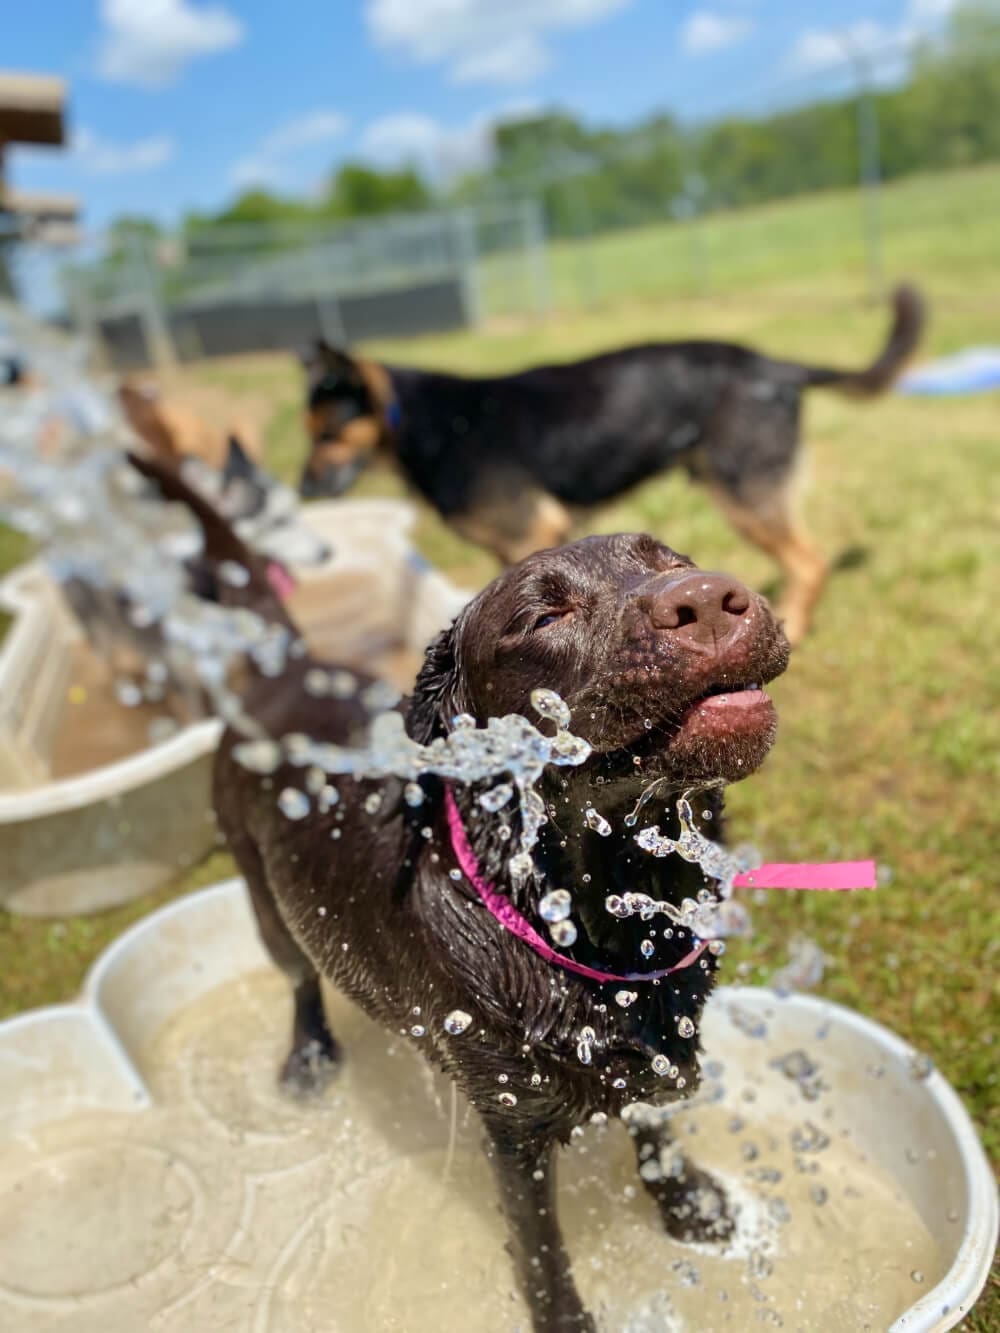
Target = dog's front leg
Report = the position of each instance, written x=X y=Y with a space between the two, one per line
x=691 y=1203
x=525 y=1172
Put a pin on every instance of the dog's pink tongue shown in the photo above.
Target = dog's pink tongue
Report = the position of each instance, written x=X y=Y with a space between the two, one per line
x=831 y=876
x=280 y=580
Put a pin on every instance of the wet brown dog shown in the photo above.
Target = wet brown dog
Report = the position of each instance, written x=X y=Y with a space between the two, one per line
x=506 y=460
x=662 y=666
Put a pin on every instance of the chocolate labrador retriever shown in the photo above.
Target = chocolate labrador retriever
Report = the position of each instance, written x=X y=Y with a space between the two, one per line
x=508 y=459
x=662 y=665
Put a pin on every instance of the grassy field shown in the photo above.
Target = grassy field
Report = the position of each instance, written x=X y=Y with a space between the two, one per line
x=890 y=724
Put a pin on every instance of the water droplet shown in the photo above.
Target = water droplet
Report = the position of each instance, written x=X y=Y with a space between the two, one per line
x=418 y=1030
x=129 y=694
x=917 y=1275
x=809 y=1138
x=236 y=575
x=507 y=1099
x=317 y=683
x=327 y=799
x=413 y=795
x=617 y=905
x=563 y=933
x=455 y=876
x=456 y=1022
x=520 y=866
x=759 y=1265
x=496 y=798
x=548 y=704
x=293 y=804
x=536 y=1080
x=647 y=948
x=596 y=821
x=661 y=1065
x=373 y=802
x=618 y=1083
x=921 y=1066
x=258 y=756
x=626 y=997
x=685 y=1027
x=555 y=906
x=342 y=684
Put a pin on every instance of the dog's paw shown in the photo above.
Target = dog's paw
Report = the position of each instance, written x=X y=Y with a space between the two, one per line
x=310 y=1068
x=694 y=1208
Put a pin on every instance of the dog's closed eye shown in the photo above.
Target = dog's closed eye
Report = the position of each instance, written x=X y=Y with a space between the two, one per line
x=551 y=618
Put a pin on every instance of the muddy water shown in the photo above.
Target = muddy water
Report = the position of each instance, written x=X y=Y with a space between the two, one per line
x=230 y=1207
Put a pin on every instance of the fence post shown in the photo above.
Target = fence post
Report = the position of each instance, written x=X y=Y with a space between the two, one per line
x=870 y=171
x=464 y=227
x=155 y=329
x=537 y=247
x=328 y=312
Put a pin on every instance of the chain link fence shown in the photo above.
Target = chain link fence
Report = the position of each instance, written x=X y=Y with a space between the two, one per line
x=872 y=162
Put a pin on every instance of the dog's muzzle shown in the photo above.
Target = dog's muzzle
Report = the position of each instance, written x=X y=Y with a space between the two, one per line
x=334 y=480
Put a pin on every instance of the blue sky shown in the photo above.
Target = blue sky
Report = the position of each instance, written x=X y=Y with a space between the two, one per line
x=178 y=104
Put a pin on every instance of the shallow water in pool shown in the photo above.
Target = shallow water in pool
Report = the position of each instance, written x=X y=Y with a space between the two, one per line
x=230 y=1207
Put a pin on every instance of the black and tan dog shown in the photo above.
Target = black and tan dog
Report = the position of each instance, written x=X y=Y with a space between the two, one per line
x=663 y=666
x=507 y=459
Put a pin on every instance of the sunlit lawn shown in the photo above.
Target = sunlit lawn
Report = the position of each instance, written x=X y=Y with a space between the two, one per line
x=891 y=712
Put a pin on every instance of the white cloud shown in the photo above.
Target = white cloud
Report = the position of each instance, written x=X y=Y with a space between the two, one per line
x=268 y=163
x=886 y=48
x=480 y=41
x=101 y=157
x=438 y=150
x=518 y=60
x=151 y=42
x=928 y=13
x=824 y=48
x=705 y=31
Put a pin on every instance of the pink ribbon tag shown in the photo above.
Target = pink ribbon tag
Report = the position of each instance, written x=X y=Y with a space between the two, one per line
x=830 y=876
x=282 y=583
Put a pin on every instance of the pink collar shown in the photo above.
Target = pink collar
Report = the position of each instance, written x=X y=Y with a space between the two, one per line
x=840 y=875
x=504 y=911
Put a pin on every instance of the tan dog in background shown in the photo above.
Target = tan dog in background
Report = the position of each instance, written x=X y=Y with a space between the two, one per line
x=172 y=429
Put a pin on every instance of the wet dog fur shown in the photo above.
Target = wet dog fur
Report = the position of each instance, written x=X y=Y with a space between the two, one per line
x=637 y=640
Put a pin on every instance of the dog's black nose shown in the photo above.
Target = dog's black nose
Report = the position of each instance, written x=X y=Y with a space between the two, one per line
x=700 y=608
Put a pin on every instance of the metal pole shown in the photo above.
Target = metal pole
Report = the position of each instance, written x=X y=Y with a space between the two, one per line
x=464 y=224
x=869 y=169
x=156 y=331
x=536 y=243
x=694 y=189
x=328 y=313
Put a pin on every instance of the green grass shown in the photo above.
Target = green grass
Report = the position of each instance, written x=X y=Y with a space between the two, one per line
x=890 y=716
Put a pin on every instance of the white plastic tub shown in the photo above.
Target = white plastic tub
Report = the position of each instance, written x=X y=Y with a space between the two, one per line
x=89 y=840
x=151 y=1176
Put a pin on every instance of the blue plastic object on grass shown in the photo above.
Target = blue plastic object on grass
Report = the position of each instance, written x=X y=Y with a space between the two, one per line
x=973 y=370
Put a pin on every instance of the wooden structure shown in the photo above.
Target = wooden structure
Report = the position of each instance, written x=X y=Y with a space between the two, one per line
x=32 y=111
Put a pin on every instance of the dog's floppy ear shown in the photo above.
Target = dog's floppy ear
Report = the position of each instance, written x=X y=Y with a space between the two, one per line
x=439 y=692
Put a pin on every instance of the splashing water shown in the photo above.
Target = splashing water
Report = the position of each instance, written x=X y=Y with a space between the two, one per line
x=508 y=747
x=805 y=966
x=713 y=915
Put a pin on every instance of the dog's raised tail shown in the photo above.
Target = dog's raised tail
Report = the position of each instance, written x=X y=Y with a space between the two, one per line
x=263 y=586
x=909 y=315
